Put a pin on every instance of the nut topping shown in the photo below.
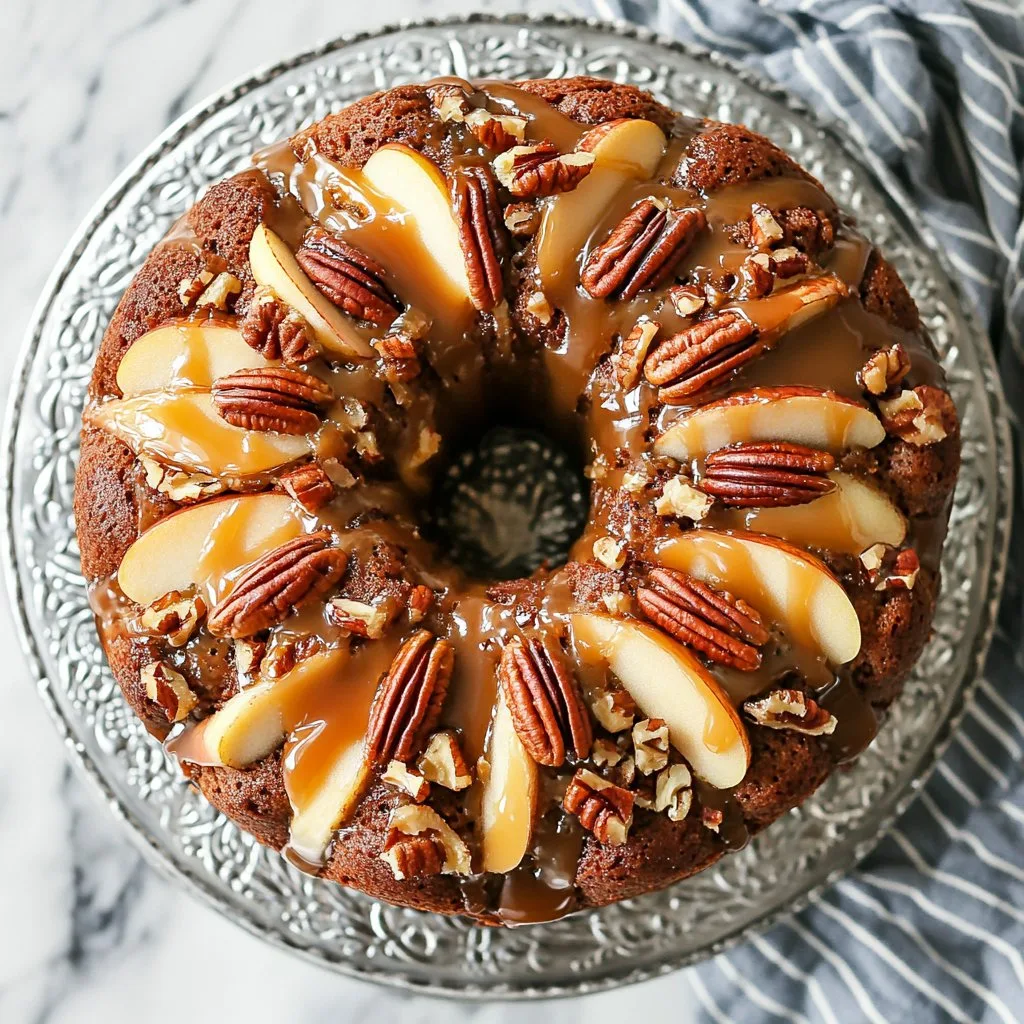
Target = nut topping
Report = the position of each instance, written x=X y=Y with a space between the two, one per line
x=768 y=475
x=642 y=251
x=408 y=780
x=610 y=552
x=443 y=762
x=220 y=292
x=650 y=745
x=808 y=230
x=481 y=233
x=309 y=485
x=547 y=710
x=791 y=709
x=409 y=699
x=529 y=172
x=496 y=132
x=400 y=347
x=633 y=351
x=360 y=619
x=174 y=617
x=889 y=569
x=178 y=484
x=885 y=370
x=168 y=688
x=277 y=331
x=673 y=792
x=421 y=597
x=602 y=807
x=920 y=417
x=348 y=277
x=680 y=498
x=420 y=842
x=702 y=355
x=522 y=219
x=274 y=398
x=615 y=710
x=726 y=630
x=273 y=585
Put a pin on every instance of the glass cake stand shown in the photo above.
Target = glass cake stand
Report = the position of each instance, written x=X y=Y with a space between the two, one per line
x=343 y=930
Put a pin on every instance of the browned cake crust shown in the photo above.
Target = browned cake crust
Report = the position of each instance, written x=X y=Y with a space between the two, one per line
x=786 y=767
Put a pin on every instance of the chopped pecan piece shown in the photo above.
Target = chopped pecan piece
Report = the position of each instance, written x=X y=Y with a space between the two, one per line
x=605 y=753
x=522 y=219
x=889 y=569
x=220 y=292
x=686 y=300
x=168 y=688
x=765 y=230
x=723 y=628
x=920 y=417
x=400 y=347
x=444 y=763
x=712 y=818
x=179 y=485
x=809 y=230
x=547 y=710
x=420 y=842
x=615 y=710
x=529 y=172
x=481 y=233
x=277 y=331
x=633 y=351
x=602 y=807
x=286 y=654
x=173 y=616
x=680 y=498
x=407 y=780
x=309 y=485
x=348 y=277
x=451 y=102
x=272 y=398
x=673 y=792
x=248 y=655
x=650 y=745
x=642 y=251
x=359 y=618
x=409 y=699
x=768 y=475
x=884 y=370
x=190 y=288
x=421 y=597
x=791 y=709
x=610 y=552
x=273 y=585
x=702 y=355
x=496 y=132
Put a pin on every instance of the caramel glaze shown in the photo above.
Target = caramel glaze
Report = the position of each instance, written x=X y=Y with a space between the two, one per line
x=466 y=360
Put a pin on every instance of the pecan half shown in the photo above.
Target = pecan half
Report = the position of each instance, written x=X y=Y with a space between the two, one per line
x=529 y=172
x=309 y=485
x=642 y=251
x=273 y=585
x=768 y=475
x=481 y=233
x=272 y=398
x=277 y=331
x=791 y=709
x=602 y=807
x=348 y=277
x=702 y=355
x=724 y=629
x=547 y=709
x=409 y=699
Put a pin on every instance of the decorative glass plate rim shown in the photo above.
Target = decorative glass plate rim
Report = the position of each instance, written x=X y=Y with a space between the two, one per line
x=901 y=209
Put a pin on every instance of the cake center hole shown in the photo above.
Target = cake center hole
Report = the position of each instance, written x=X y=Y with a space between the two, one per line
x=510 y=503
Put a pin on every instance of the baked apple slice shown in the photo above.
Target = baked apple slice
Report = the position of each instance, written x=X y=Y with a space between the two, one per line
x=185 y=355
x=668 y=682
x=274 y=266
x=783 y=583
x=183 y=428
x=624 y=151
x=508 y=801
x=798 y=415
x=848 y=521
x=203 y=545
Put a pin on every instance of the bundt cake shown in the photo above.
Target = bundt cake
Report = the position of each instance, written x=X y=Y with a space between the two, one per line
x=741 y=384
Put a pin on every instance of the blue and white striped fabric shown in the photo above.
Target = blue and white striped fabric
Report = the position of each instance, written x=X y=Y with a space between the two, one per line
x=931 y=926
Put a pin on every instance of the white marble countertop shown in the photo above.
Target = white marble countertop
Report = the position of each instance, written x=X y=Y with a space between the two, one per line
x=88 y=932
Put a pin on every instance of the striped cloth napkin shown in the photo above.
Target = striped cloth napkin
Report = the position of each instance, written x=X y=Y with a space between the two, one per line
x=931 y=926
